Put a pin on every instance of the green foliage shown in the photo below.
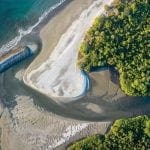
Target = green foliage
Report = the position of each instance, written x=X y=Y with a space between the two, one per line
x=128 y=134
x=125 y=134
x=147 y=128
x=90 y=143
x=120 y=39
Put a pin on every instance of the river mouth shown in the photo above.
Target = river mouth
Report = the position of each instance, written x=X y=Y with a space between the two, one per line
x=89 y=108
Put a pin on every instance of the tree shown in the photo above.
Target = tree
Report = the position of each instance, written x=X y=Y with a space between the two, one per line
x=121 y=40
x=125 y=134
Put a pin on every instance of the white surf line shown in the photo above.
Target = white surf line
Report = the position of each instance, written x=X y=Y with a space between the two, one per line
x=59 y=77
x=11 y=44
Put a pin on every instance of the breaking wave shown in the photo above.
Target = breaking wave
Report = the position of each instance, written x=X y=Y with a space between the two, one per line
x=21 y=33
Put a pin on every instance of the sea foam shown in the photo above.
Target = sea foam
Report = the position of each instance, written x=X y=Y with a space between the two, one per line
x=21 y=33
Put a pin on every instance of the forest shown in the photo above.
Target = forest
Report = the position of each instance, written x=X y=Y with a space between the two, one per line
x=120 y=39
x=125 y=134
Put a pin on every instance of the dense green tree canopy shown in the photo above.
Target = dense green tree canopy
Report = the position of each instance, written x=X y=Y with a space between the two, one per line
x=125 y=134
x=120 y=38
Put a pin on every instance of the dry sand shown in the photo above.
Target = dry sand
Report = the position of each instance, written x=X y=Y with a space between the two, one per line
x=29 y=127
x=59 y=75
x=48 y=78
x=51 y=33
x=50 y=36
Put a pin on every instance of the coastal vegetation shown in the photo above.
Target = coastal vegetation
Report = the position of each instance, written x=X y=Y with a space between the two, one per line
x=125 y=134
x=120 y=39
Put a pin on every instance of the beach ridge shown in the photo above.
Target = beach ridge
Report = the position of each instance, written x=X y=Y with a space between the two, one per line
x=67 y=88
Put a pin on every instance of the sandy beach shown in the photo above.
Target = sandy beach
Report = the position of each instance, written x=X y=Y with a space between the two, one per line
x=30 y=120
x=29 y=127
x=58 y=76
x=50 y=38
x=52 y=31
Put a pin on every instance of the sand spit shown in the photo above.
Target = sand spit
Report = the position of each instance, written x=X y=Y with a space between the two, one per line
x=26 y=126
x=59 y=77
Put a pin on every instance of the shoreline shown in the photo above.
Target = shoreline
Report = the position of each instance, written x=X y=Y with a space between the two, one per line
x=12 y=43
x=33 y=128
x=46 y=31
x=34 y=72
x=66 y=16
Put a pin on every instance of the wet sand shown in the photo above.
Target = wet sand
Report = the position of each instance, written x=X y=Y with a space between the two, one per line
x=50 y=36
x=27 y=126
x=51 y=32
x=58 y=76
x=50 y=80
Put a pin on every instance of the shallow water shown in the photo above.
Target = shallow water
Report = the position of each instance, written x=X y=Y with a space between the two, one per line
x=20 y=17
x=30 y=116
x=60 y=77
x=110 y=110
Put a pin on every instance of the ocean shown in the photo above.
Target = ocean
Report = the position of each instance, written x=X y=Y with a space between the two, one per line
x=19 y=17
